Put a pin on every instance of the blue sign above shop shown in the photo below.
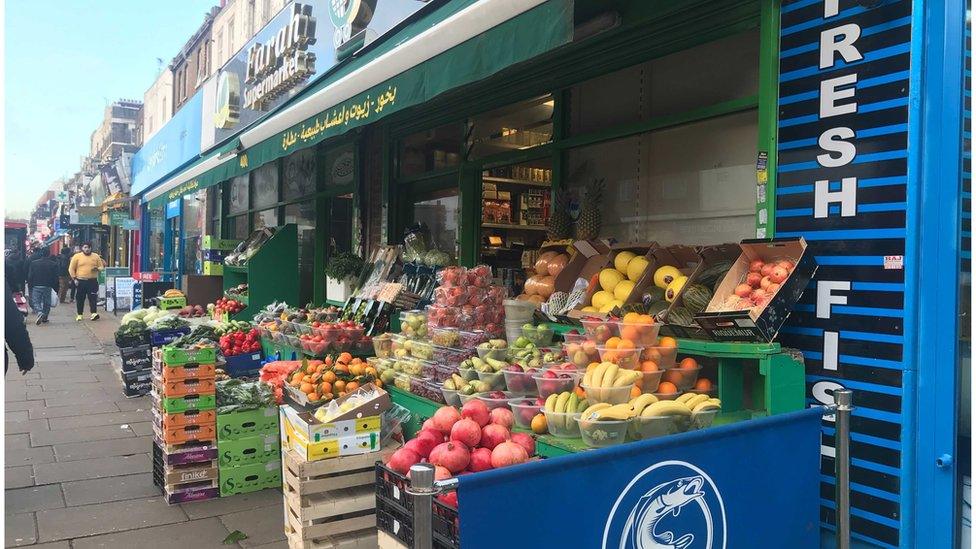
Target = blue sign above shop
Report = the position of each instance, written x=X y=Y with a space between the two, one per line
x=175 y=144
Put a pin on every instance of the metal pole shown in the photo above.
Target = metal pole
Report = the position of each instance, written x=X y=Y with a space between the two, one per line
x=842 y=462
x=422 y=489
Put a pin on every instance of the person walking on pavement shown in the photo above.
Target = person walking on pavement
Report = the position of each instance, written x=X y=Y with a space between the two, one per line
x=15 y=270
x=42 y=279
x=15 y=336
x=64 y=279
x=84 y=268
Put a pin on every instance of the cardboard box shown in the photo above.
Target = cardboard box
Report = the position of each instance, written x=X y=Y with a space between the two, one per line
x=174 y=475
x=136 y=358
x=246 y=365
x=764 y=324
x=190 y=417
x=186 y=433
x=187 y=371
x=214 y=255
x=250 y=478
x=136 y=383
x=639 y=249
x=212 y=243
x=314 y=430
x=193 y=452
x=245 y=451
x=247 y=423
x=184 y=387
x=213 y=268
x=590 y=257
x=362 y=443
x=176 y=405
x=710 y=256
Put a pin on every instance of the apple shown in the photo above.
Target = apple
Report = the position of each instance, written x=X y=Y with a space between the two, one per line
x=779 y=274
x=743 y=290
x=756 y=266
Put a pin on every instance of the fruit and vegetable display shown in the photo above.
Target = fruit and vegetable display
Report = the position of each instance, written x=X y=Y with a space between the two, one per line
x=320 y=381
x=276 y=374
x=237 y=292
x=192 y=311
x=757 y=287
x=167 y=322
x=147 y=315
x=466 y=299
x=227 y=305
x=616 y=283
x=541 y=285
x=238 y=394
x=240 y=342
x=134 y=327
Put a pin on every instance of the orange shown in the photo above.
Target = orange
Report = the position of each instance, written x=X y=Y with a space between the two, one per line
x=635 y=391
x=329 y=377
x=649 y=366
x=313 y=396
x=630 y=332
x=703 y=384
x=651 y=353
x=315 y=378
x=357 y=360
x=539 y=425
x=631 y=317
x=371 y=371
x=356 y=369
x=612 y=342
x=328 y=360
x=339 y=386
x=667 y=387
x=646 y=319
x=344 y=358
x=667 y=342
x=306 y=388
x=320 y=368
x=688 y=364
x=340 y=367
x=580 y=392
x=325 y=388
x=378 y=382
x=351 y=386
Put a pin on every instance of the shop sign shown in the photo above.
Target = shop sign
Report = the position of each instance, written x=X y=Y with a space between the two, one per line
x=61 y=196
x=297 y=46
x=130 y=224
x=118 y=218
x=749 y=484
x=173 y=208
x=87 y=215
x=842 y=184
x=175 y=144
x=150 y=276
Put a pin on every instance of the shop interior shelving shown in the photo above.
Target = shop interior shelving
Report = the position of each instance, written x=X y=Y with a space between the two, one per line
x=271 y=274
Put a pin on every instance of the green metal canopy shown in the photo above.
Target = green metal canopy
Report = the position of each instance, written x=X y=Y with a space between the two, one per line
x=521 y=38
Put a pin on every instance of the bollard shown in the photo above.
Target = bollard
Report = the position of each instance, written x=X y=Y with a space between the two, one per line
x=842 y=463
x=422 y=489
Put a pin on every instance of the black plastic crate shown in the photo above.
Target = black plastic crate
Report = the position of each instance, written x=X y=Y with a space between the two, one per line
x=446 y=525
x=391 y=489
x=132 y=340
x=391 y=519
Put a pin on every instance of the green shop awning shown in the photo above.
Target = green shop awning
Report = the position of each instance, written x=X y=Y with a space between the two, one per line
x=463 y=42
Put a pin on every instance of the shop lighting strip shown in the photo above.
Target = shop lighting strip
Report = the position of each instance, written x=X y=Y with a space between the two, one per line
x=452 y=31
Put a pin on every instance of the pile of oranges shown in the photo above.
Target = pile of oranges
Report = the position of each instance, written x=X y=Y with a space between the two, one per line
x=324 y=380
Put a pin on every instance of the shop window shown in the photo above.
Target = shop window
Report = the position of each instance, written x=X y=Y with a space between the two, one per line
x=514 y=211
x=430 y=150
x=238 y=201
x=213 y=210
x=237 y=227
x=514 y=127
x=266 y=218
x=154 y=257
x=302 y=214
x=340 y=224
x=439 y=211
x=340 y=166
x=708 y=74
x=265 y=182
x=691 y=184
x=193 y=221
x=299 y=174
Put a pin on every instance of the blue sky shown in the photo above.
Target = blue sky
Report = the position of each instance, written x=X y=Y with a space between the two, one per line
x=65 y=61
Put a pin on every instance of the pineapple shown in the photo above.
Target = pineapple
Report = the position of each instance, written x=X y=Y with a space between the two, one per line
x=560 y=225
x=588 y=224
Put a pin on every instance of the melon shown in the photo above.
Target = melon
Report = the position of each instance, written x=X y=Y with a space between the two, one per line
x=622 y=259
x=653 y=294
x=675 y=288
x=601 y=298
x=636 y=268
x=609 y=278
x=557 y=263
x=680 y=316
x=545 y=287
x=696 y=298
x=664 y=276
x=656 y=307
x=622 y=291
x=713 y=272
x=590 y=309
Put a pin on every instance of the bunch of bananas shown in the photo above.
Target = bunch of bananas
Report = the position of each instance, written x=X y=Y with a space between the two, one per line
x=567 y=402
x=648 y=405
x=173 y=293
x=602 y=378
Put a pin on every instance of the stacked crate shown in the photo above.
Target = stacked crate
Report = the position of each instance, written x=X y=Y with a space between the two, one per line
x=214 y=251
x=184 y=424
x=250 y=450
x=136 y=355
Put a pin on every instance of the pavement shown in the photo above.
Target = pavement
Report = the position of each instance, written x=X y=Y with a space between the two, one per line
x=78 y=468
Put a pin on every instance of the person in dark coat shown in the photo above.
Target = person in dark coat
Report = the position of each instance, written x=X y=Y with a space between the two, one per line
x=42 y=279
x=15 y=336
x=15 y=270
x=64 y=279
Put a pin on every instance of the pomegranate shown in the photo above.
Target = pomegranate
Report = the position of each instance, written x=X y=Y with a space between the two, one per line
x=765 y=282
x=466 y=431
x=445 y=417
x=480 y=460
x=757 y=294
x=449 y=498
x=779 y=274
x=476 y=410
x=493 y=434
x=756 y=266
x=508 y=453
x=743 y=290
x=413 y=444
x=402 y=460
x=453 y=456
x=771 y=289
x=788 y=265
x=767 y=269
x=429 y=424
x=754 y=279
x=440 y=473
x=426 y=440
x=503 y=417
x=525 y=441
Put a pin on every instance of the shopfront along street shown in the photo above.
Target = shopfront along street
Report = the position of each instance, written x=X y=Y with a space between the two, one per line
x=466 y=274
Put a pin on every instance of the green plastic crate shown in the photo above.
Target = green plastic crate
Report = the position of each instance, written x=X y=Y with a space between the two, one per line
x=247 y=423
x=166 y=303
x=249 y=478
x=250 y=450
x=178 y=405
x=173 y=356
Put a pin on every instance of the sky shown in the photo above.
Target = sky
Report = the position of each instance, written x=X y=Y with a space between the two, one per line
x=65 y=61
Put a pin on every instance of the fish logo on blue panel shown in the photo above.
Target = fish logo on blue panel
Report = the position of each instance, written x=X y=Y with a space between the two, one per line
x=669 y=505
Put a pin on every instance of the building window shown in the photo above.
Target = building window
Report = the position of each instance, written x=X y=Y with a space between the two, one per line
x=230 y=37
x=265 y=183
x=220 y=46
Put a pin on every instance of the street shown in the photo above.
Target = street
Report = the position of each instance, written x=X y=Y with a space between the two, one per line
x=78 y=467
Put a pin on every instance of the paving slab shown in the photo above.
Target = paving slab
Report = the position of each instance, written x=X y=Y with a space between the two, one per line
x=135 y=403
x=16 y=441
x=23 y=405
x=72 y=411
x=143 y=428
x=92 y=399
x=29 y=426
x=52 y=545
x=15 y=415
x=19 y=530
x=103 y=518
x=47 y=473
x=241 y=502
x=262 y=525
x=28 y=456
x=281 y=544
x=102 y=448
x=94 y=420
x=198 y=534
x=18 y=477
x=103 y=490
x=81 y=434
x=33 y=498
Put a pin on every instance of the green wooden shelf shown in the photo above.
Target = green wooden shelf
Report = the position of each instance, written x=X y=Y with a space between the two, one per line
x=271 y=273
x=235 y=269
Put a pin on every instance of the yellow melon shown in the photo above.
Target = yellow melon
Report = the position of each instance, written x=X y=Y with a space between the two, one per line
x=622 y=259
x=609 y=278
x=665 y=275
x=600 y=299
x=622 y=291
x=636 y=268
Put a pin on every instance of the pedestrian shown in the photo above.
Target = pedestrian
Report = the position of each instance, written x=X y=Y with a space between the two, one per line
x=14 y=269
x=64 y=280
x=15 y=336
x=42 y=279
x=74 y=286
x=84 y=268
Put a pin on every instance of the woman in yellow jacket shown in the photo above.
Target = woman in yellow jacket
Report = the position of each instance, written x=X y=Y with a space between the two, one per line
x=84 y=268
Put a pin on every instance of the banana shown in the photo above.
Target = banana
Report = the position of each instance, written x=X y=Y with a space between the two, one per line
x=624 y=378
x=561 y=402
x=705 y=406
x=594 y=408
x=597 y=376
x=641 y=402
x=609 y=375
x=587 y=377
x=685 y=397
x=716 y=401
x=573 y=403
x=666 y=408
x=615 y=412
x=695 y=401
x=551 y=402
x=582 y=405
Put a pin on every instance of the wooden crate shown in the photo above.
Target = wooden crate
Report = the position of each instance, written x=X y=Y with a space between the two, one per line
x=330 y=503
x=386 y=541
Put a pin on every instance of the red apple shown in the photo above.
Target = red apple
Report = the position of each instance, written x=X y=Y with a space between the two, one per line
x=743 y=290
x=756 y=266
x=754 y=279
x=779 y=274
